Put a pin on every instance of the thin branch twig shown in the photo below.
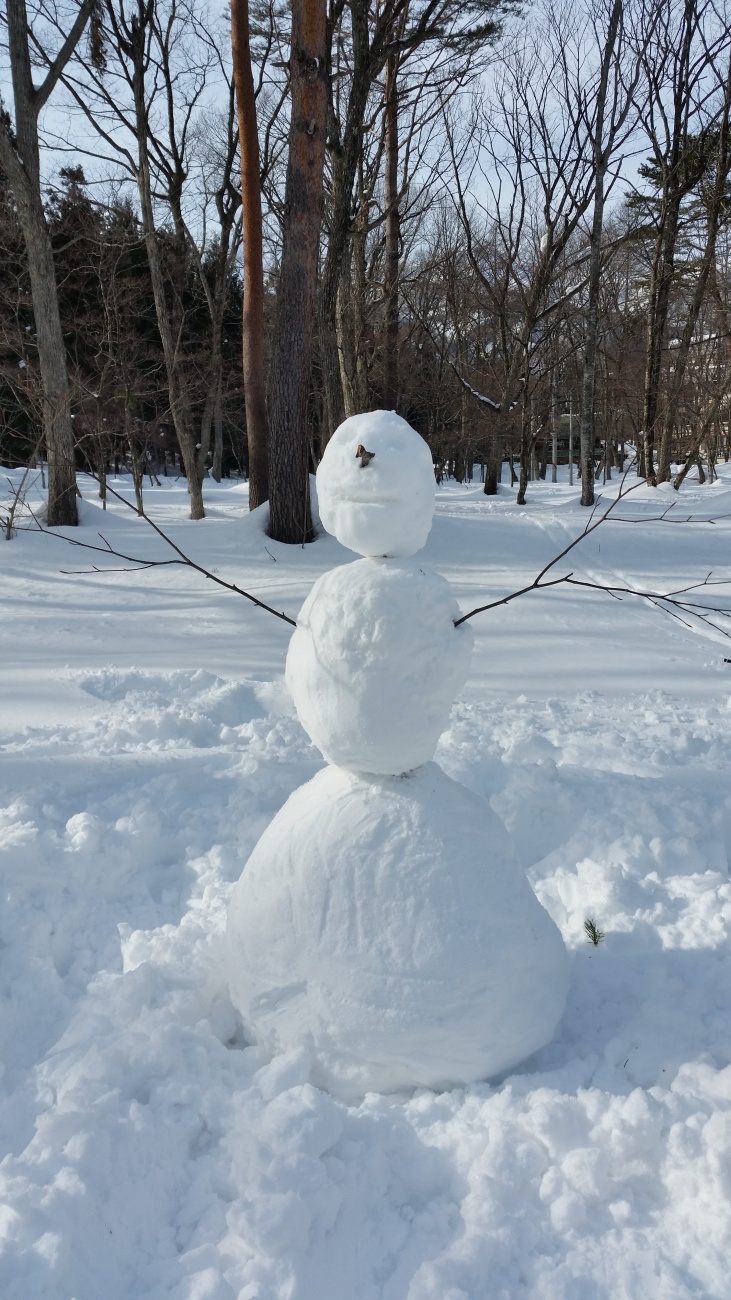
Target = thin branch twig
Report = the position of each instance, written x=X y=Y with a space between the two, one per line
x=591 y=524
x=183 y=559
x=670 y=602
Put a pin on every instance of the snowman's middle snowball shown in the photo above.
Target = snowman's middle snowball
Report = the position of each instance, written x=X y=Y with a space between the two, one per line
x=375 y=663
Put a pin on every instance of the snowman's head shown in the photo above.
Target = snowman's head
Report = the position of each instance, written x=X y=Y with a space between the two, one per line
x=375 y=485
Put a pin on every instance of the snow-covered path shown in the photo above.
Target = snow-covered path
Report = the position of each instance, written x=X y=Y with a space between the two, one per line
x=146 y=739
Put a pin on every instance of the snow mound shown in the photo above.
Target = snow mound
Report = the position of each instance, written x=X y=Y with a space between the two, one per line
x=382 y=505
x=383 y=925
x=375 y=663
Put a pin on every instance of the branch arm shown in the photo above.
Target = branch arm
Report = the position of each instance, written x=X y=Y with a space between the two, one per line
x=56 y=68
x=182 y=558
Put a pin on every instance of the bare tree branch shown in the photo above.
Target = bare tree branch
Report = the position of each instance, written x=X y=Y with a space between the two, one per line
x=670 y=602
x=183 y=559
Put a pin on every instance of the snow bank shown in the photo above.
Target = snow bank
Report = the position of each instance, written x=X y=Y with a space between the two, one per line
x=146 y=1144
x=146 y=1150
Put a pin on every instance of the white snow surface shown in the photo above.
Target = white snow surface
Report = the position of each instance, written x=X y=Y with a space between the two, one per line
x=383 y=925
x=375 y=663
x=385 y=506
x=147 y=740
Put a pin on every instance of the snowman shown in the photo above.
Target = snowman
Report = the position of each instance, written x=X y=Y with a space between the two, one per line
x=382 y=922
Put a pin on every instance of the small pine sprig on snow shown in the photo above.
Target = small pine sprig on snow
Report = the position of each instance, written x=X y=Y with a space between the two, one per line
x=593 y=933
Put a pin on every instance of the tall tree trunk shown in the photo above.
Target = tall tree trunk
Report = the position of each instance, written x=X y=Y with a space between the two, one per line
x=204 y=445
x=217 y=466
x=134 y=455
x=19 y=158
x=177 y=395
x=615 y=98
x=358 y=300
x=344 y=161
x=554 y=424
x=57 y=422
x=714 y=201
x=495 y=461
x=390 y=279
x=525 y=450
x=680 y=174
x=214 y=389
x=253 y=319
x=661 y=282
x=351 y=314
x=346 y=337
x=289 y=371
x=587 y=431
x=102 y=475
x=504 y=422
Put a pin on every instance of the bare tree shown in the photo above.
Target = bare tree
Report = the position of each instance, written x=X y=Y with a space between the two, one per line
x=20 y=159
x=713 y=202
x=402 y=141
x=677 y=55
x=612 y=107
x=356 y=58
x=214 y=253
x=142 y=105
x=391 y=257
x=530 y=151
x=253 y=320
x=289 y=371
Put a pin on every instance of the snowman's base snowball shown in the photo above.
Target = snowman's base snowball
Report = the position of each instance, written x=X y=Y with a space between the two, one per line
x=382 y=924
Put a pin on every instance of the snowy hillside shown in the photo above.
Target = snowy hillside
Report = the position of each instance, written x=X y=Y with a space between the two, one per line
x=146 y=741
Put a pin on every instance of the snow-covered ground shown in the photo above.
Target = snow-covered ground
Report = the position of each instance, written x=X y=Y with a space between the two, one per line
x=146 y=740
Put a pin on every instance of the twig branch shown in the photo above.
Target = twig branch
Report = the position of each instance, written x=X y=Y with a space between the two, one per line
x=7 y=522
x=183 y=559
x=591 y=525
x=667 y=602
x=670 y=602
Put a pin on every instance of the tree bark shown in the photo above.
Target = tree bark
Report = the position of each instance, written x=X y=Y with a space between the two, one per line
x=714 y=201
x=344 y=156
x=391 y=270
x=587 y=431
x=525 y=450
x=19 y=157
x=678 y=180
x=217 y=466
x=346 y=336
x=253 y=315
x=662 y=277
x=178 y=398
x=289 y=371
x=351 y=321
x=495 y=463
x=204 y=446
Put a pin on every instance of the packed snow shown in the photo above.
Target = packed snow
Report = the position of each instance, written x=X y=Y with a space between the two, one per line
x=383 y=925
x=375 y=485
x=146 y=742
x=375 y=663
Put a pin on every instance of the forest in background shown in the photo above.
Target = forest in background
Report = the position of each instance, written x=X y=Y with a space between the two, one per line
x=524 y=237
